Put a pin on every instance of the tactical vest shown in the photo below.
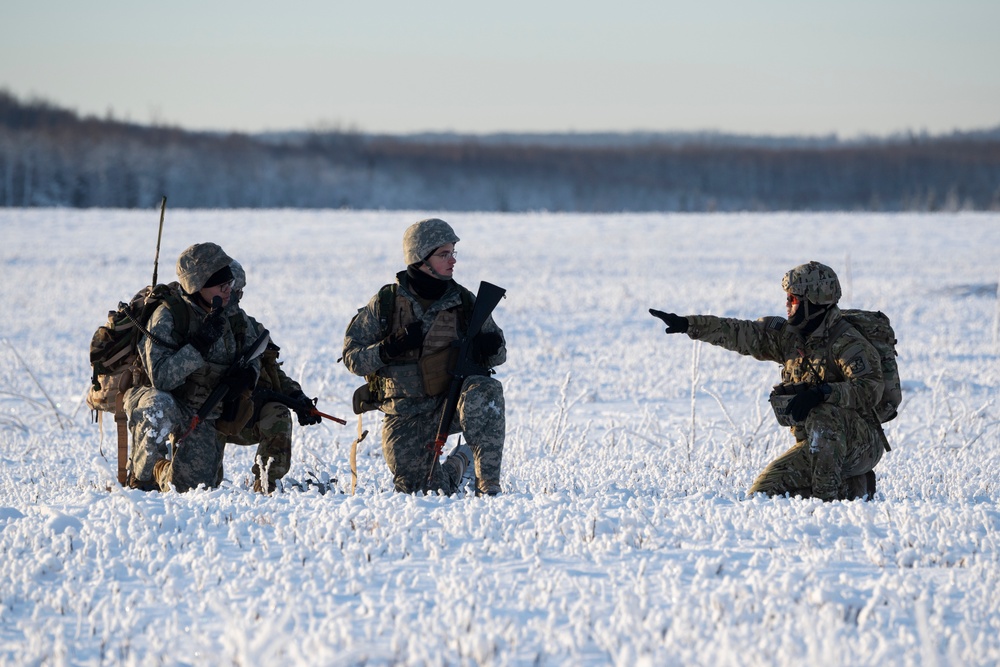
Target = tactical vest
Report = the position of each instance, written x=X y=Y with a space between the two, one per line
x=199 y=384
x=421 y=372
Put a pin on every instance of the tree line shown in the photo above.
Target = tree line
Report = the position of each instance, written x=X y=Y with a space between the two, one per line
x=54 y=157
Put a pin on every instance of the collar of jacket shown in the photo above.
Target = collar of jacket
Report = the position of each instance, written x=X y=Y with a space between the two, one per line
x=826 y=326
x=449 y=299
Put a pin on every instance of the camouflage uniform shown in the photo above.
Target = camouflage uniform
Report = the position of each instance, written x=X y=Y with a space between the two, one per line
x=840 y=439
x=412 y=417
x=270 y=428
x=179 y=382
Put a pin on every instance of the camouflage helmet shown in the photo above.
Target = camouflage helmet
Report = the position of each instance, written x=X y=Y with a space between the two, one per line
x=239 y=276
x=421 y=238
x=197 y=264
x=814 y=282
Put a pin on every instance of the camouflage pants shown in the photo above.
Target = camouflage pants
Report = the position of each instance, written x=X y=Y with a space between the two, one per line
x=833 y=449
x=271 y=430
x=152 y=416
x=406 y=440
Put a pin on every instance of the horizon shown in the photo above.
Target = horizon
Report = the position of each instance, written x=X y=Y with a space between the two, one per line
x=433 y=134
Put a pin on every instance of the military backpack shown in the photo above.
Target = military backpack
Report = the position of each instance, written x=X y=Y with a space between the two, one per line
x=874 y=326
x=114 y=347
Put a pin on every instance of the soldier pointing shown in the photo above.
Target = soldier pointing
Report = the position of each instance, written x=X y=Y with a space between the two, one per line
x=831 y=383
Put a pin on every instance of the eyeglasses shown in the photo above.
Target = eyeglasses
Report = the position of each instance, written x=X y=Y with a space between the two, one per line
x=443 y=255
x=227 y=286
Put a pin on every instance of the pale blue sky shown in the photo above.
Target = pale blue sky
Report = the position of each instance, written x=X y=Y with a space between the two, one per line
x=763 y=67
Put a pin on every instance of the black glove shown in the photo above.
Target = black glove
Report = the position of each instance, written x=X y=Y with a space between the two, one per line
x=486 y=343
x=211 y=330
x=675 y=323
x=305 y=409
x=402 y=340
x=800 y=406
x=240 y=380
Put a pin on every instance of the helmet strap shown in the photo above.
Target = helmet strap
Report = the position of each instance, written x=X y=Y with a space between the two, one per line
x=433 y=272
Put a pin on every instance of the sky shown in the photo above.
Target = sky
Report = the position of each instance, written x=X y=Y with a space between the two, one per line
x=773 y=67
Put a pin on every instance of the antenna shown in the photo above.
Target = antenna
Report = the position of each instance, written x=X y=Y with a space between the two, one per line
x=159 y=235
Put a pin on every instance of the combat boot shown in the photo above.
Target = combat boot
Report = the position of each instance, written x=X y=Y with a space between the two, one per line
x=258 y=487
x=161 y=473
x=487 y=487
x=462 y=457
x=857 y=487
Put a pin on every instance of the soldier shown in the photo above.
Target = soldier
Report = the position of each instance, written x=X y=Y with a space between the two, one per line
x=832 y=384
x=401 y=341
x=192 y=345
x=270 y=427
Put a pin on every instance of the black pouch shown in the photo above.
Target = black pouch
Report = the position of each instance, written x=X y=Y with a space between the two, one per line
x=781 y=396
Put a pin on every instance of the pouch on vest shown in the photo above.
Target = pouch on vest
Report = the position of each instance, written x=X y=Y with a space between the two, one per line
x=781 y=396
x=436 y=370
x=363 y=400
x=235 y=414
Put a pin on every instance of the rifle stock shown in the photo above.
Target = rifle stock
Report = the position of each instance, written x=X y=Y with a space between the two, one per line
x=487 y=298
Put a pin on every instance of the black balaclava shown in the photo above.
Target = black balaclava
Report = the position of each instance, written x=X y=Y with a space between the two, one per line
x=807 y=317
x=425 y=286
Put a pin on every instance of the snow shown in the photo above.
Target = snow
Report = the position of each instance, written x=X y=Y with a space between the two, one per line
x=625 y=536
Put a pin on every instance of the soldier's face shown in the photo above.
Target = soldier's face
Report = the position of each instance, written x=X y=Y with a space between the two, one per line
x=223 y=291
x=792 y=304
x=442 y=261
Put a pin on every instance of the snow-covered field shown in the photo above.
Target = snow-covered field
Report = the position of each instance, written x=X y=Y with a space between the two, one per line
x=625 y=536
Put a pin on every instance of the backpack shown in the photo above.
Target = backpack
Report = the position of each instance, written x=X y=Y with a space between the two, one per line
x=114 y=347
x=874 y=326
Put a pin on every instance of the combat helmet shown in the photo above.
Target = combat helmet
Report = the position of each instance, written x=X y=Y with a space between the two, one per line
x=813 y=282
x=239 y=281
x=421 y=238
x=239 y=275
x=199 y=263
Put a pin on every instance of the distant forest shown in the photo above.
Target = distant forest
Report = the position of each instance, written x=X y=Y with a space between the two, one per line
x=54 y=157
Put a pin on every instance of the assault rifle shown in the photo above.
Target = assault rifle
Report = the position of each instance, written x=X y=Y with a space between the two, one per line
x=242 y=362
x=487 y=298
x=305 y=405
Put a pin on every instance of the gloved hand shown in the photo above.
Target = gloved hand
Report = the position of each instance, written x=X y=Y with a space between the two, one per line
x=486 y=343
x=306 y=417
x=675 y=323
x=802 y=404
x=402 y=340
x=211 y=330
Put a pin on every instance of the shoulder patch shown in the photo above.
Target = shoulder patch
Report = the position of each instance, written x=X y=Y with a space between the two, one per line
x=773 y=322
x=858 y=366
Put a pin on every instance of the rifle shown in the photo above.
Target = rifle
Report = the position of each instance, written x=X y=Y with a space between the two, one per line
x=220 y=391
x=487 y=298
x=307 y=406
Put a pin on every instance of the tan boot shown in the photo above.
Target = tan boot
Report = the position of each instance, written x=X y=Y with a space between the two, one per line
x=162 y=473
x=259 y=488
x=487 y=487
